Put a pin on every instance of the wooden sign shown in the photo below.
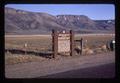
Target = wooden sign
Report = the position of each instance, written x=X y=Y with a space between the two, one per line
x=63 y=42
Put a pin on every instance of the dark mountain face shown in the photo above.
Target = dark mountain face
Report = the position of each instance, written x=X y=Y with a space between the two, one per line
x=105 y=24
x=23 y=22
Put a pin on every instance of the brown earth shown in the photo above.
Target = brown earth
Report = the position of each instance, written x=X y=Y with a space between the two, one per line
x=60 y=64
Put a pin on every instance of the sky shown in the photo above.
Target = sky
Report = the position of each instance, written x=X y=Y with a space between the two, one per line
x=93 y=11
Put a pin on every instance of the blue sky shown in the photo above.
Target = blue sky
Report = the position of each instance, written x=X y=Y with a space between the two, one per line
x=93 y=11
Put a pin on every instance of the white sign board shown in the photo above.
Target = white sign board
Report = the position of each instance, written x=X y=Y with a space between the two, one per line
x=64 y=43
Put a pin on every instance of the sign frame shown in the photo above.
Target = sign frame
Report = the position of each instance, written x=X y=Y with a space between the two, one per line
x=55 y=36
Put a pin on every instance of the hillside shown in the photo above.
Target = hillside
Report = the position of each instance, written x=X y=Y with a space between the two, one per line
x=24 y=22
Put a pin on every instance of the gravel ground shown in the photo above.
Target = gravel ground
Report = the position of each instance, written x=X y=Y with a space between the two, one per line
x=60 y=64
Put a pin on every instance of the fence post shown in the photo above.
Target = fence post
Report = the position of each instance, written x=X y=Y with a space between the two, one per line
x=71 y=43
x=81 y=43
x=54 y=43
x=25 y=46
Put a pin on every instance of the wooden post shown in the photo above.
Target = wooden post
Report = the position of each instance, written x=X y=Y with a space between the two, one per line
x=81 y=44
x=55 y=43
x=25 y=46
x=71 y=43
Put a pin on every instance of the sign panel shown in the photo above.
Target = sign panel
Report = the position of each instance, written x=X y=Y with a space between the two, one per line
x=63 y=42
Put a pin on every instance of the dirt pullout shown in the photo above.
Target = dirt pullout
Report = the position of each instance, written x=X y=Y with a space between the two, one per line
x=52 y=66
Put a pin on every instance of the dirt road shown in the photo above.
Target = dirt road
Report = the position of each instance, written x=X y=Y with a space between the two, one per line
x=60 y=64
x=101 y=71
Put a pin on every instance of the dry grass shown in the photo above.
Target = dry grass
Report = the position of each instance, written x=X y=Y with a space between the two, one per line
x=11 y=59
x=94 y=44
x=95 y=41
x=34 y=43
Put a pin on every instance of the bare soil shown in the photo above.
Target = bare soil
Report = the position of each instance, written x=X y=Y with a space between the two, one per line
x=60 y=64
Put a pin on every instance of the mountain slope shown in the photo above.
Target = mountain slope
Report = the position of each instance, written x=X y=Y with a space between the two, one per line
x=24 y=22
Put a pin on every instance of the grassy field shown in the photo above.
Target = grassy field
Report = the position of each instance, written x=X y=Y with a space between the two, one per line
x=95 y=41
x=34 y=43
x=44 y=44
